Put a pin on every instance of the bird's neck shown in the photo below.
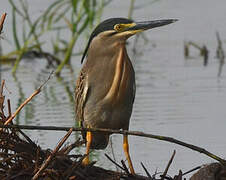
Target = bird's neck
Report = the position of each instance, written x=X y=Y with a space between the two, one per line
x=120 y=66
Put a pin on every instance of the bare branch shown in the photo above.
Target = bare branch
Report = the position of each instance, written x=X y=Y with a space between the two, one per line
x=26 y=101
x=168 y=165
x=45 y=164
x=125 y=132
x=2 y=21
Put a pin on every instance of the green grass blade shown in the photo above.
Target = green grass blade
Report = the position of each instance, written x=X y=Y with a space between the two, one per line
x=74 y=4
x=18 y=59
x=68 y=53
x=62 y=14
x=16 y=9
x=84 y=25
x=53 y=13
x=33 y=27
x=49 y=10
x=15 y=38
x=24 y=32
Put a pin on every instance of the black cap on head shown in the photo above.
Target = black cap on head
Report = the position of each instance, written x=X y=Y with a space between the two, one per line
x=105 y=26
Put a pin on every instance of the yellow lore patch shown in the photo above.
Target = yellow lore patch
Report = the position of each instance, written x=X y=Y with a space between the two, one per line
x=122 y=27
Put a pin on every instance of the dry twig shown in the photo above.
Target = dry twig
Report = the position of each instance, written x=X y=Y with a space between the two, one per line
x=193 y=169
x=168 y=165
x=37 y=91
x=44 y=165
x=134 y=133
x=203 y=51
x=2 y=98
x=220 y=54
x=2 y=21
x=114 y=162
x=146 y=171
x=179 y=176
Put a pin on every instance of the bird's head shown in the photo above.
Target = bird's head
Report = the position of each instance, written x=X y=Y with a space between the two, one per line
x=122 y=29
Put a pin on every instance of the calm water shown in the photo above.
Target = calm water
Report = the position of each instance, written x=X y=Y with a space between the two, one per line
x=175 y=97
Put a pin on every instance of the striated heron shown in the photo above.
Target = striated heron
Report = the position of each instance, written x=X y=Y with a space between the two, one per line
x=105 y=88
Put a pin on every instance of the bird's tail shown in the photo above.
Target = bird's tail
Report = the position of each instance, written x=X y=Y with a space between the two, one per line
x=99 y=140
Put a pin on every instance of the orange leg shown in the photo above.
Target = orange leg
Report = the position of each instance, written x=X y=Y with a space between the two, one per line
x=88 y=143
x=126 y=150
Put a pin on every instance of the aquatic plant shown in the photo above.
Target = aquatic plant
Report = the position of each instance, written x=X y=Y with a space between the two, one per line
x=71 y=17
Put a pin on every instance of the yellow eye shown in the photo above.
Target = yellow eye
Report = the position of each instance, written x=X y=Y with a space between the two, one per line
x=118 y=27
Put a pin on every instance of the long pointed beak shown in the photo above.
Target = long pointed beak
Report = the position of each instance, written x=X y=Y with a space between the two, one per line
x=145 y=25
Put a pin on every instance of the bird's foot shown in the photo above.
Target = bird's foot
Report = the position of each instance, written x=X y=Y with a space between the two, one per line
x=85 y=161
